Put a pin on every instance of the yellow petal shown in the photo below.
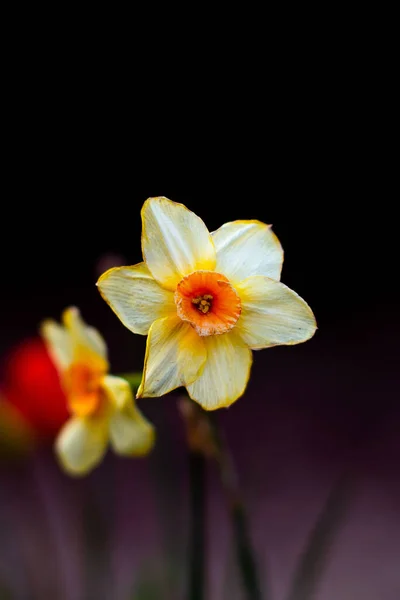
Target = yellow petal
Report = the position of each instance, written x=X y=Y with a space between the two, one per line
x=246 y=248
x=131 y=435
x=272 y=314
x=118 y=392
x=97 y=341
x=81 y=444
x=135 y=297
x=88 y=345
x=58 y=343
x=175 y=241
x=130 y=432
x=225 y=374
x=175 y=355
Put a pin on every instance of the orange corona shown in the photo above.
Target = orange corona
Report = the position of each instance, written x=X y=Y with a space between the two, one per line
x=208 y=302
x=83 y=388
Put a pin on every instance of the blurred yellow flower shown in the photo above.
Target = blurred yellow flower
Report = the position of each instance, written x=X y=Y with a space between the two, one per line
x=205 y=301
x=102 y=405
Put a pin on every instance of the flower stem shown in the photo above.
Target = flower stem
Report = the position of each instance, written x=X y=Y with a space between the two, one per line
x=244 y=551
x=205 y=441
x=197 y=524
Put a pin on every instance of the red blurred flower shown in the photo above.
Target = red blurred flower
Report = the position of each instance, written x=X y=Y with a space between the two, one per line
x=30 y=382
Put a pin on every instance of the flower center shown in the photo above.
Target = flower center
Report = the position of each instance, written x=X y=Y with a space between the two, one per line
x=203 y=303
x=83 y=389
x=208 y=302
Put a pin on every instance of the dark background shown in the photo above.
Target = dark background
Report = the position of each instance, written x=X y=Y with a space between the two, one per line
x=73 y=194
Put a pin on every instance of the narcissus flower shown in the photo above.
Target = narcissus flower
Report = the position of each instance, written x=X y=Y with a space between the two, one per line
x=205 y=301
x=102 y=405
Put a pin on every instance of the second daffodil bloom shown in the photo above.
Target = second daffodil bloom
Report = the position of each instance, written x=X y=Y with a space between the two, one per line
x=205 y=300
x=102 y=406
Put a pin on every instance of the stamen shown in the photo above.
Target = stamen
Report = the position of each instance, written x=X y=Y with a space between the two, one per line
x=203 y=303
x=207 y=301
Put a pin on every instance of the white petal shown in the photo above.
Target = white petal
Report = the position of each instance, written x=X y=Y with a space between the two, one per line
x=81 y=444
x=135 y=297
x=225 y=374
x=58 y=343
x=246 y=248
x=175 y=355
x=175 y=241
x=272 y=314
x=87 y=343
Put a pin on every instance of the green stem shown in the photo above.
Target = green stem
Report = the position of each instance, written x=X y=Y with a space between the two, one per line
x=198 y=521
x=244 y=551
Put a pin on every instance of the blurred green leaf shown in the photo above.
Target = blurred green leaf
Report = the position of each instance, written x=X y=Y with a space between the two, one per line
x=150 y=585
x=97 y=530
x=16 y=439
x=133 y=379
x=315 y=555
x=232 y=585
x=245 y=554
x=5 y=593
x=167 y=482
x=147 y=590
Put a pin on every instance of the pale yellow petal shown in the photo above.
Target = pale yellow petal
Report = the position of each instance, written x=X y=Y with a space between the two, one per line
x=81 y=444
x=118 y=392
x=130 y=432
x=131 y=435
x=246 y=248
x=88 y=345
x=58 y=343
x=225 y=374
x=97 y=341
x=135 y=297
x=175 y=356
x=272 y=314
x=175 y=241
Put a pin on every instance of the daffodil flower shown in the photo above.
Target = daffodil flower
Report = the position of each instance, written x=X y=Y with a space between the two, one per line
x=205 y=301
x=102 y=406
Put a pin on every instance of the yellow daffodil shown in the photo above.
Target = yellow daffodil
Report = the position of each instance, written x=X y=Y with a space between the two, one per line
x=205 y=301
x=102 y=406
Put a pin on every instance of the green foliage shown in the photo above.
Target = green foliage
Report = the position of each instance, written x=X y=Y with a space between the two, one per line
x=316 y=551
